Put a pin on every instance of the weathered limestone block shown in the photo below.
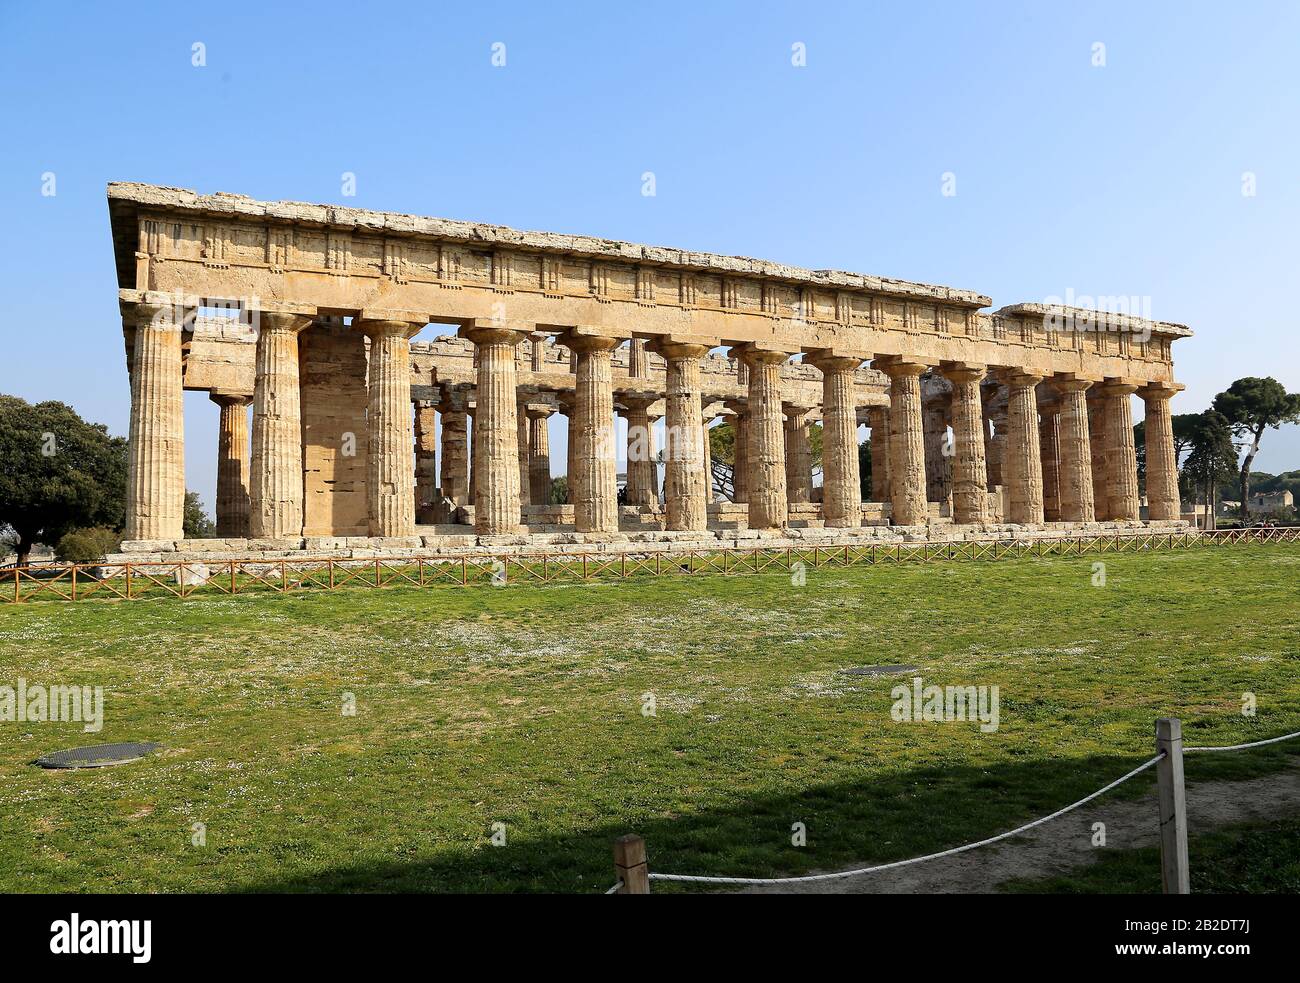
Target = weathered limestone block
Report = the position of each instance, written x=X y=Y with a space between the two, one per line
x=155 y=491
x=276 y=487
x=841 y=472
x=232 y=465
x=969 y=469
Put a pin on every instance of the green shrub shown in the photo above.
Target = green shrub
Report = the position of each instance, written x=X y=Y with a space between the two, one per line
x=87 y=545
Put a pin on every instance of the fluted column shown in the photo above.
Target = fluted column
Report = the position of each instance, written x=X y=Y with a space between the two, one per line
x=155 y=490
x=568 y=406
x=685 y=498
x=276 y=485
x=707 y=447
x=934 y=418
x=1074 y=472
x=390 y=465
x=970 y=500
x=539 y=455
x=453 y=477
x=1022 y=468
x=1163 y=500
x=1100 y=460
x=906 y=443
x=638 y=359
x=798 y=454
x=426 y=460
x=641 y=469
x=739 y=451
x=1121 y=456
x=595 y=498
x=232 y=466
x=1049 y=455
x=879 y=416
x=841 y=472
x=496 y=430
x=996 y=440
x=525 y=450
x=768 y=502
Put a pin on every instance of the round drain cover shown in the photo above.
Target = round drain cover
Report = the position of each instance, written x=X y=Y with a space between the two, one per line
x=876 y=670
x=98 y=756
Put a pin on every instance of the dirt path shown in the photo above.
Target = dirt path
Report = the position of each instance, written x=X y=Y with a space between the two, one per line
x=1067 y=842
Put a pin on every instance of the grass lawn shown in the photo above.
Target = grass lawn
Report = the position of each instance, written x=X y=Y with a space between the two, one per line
x=522 y=705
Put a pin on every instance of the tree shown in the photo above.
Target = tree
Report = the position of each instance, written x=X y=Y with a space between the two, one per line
x=196 y=523
x=1184 y=424
x=559 y=492
x=1212 y=458
x=722 y=451
x=1252 y=405
x=59 y=473
x=864 y=469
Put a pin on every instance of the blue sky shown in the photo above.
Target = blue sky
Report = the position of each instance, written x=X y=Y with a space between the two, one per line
x=1118 y=180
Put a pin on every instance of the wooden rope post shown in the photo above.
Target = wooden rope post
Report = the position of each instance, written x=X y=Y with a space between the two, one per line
x=1174 y=873
x=630 y=865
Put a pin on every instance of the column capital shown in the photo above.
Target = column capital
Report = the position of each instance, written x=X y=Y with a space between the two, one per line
x=833 y=360
x=1160 y=390
x=375 y=322
x=895 y=366
x=1117 y=387
x=539 y=411
x=284 y=321
x=230 y=399
x=963 y=371
x=762 y=353
x=1072 y=383
x=1014 y=376
x=680 y=346
x=492 y=331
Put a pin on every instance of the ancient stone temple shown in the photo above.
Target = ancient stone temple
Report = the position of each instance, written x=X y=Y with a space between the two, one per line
x=302 y=318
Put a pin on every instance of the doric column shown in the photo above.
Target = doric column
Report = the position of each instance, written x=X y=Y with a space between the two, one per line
x=538 y=352
x=232 y=466
x=740 y=451
x=995 y=416
x=1121 y=458
x=155 y=490
x=970 y=499
x=906 y=442
x=841 y=473
x=1163 y=500
x=525 y=449
x=934 y=418
x=1074 y=472
x=638 y=359
x=426 y=460
x=1098 y=447
x=453 y=478
x=1049 y=455
x=707 y=447
x=595 y=491
x=642 y=473
x=768 y=503
x=276 y=484
x=539 y=455
x=685 y=500
x=568 y=406
x=1022 y=468
x=390 y=466
x=798 y=454
x=496 y=431
x=879 y=416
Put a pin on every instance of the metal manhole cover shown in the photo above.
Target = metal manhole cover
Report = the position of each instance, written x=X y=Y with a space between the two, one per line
x=98 y=756
x=876 y=670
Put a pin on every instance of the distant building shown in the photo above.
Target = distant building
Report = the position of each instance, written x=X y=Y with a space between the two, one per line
x=1267 y=502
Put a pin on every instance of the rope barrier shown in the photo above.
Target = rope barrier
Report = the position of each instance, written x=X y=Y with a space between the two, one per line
x=616 y=887
x=1242 y=747
x=807 y=878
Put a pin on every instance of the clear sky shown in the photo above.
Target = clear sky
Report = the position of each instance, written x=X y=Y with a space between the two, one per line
x=1124 y=179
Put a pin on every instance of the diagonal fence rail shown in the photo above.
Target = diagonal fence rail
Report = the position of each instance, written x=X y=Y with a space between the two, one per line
x=633 y=872
x=188 y=578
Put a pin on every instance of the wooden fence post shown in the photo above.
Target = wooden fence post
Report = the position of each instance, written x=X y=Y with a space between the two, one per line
x=1174 y=873
x=630 y=865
